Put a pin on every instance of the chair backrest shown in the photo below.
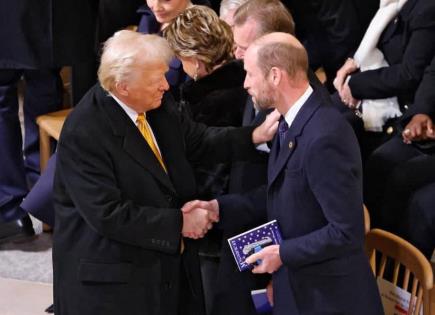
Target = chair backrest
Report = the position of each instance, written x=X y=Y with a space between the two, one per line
x=366 y=219
x=406 y=258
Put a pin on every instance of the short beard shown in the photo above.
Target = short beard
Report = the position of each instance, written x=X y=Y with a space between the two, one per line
x=266 y=101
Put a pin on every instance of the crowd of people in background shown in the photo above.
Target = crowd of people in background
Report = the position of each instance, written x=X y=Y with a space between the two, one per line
x=165 y=119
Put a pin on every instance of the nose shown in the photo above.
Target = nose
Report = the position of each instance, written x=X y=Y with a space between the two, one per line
x=154 y=5
x=246 y=83
x=165 y=84
x=239 y=53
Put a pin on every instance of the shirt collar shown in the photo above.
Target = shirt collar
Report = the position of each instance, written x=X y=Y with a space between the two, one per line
x=293 y=111
x=129 y=111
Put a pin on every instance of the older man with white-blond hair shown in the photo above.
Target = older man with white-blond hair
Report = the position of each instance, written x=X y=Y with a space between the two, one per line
x=123 y=174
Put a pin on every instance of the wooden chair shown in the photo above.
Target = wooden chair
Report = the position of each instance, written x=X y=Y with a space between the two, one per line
x=50 y=126
x=366 y=219
x=405 y=257
x=320 y=73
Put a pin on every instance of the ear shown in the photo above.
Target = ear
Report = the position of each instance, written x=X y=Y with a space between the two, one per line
x=275 y=76
x=122 y=88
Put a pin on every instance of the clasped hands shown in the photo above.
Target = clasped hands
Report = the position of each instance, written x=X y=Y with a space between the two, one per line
x=198 y=217
x=341 y=83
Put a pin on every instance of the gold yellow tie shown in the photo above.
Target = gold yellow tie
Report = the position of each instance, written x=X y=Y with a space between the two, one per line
x=146 y=133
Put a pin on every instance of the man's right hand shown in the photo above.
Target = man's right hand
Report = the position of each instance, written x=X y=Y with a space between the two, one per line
x=419 y=128
x=198 y=217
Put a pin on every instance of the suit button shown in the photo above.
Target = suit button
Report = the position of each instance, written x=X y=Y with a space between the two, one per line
x=169 y=198
x=290 y=145
x=167 y=285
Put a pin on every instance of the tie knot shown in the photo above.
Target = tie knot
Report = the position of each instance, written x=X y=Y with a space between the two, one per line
x=282 y=127
x=140 y=118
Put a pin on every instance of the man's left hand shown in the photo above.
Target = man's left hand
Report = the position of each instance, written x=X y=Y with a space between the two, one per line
x=270 y=260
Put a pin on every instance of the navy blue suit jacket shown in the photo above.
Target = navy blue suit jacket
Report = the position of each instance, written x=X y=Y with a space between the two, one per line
x=315 y=193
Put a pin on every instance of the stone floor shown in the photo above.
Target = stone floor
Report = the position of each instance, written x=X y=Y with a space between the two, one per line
x=26 y=275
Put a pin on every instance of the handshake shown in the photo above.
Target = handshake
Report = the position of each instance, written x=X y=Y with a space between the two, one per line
x=198 y=217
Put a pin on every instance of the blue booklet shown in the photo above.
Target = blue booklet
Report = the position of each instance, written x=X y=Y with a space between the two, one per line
x=249 y=242
x=261 y=303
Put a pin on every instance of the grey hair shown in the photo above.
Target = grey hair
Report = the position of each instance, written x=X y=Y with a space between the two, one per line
x=228 y=5
x=124 y=50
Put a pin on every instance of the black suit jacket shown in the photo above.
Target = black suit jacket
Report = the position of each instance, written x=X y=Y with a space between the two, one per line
x=330 y=29
x=44 y=33
x=424 y=97
x=408 y=44
x=118 y=221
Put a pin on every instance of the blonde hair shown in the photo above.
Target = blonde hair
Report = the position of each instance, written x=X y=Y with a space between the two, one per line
x=198 y=32
x=124 y=51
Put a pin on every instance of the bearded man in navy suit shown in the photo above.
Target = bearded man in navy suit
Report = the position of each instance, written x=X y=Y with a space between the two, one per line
x=314 y=191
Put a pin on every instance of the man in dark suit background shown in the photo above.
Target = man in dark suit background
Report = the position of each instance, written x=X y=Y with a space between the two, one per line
x=26 y=51
x=400 y=174
x=37 y=39
x=122 y=176
x=331 y=30
x=314 y=191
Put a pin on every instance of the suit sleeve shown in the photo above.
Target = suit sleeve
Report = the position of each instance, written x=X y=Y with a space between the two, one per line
x=87 y=174
x=218 y=144
x=333 y=172
x=340 y=21
x=238 y=210
x=424 y=102
x=405 y=76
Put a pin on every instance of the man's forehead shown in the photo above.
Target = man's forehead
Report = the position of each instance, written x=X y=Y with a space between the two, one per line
x=246 y=31
x=250 y=58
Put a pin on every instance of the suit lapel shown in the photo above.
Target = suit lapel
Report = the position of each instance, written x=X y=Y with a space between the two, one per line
x=403 y=15
x=279 y=156
x=133 y=142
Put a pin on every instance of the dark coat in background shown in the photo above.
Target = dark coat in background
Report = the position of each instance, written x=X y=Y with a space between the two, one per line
x=217 y=99
x=27 y=50
x=118 y=221
x=399 y=177
x=408 y=45
x=331 y=30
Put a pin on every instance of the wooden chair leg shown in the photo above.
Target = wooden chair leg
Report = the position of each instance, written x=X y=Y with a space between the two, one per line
x=44 y=148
